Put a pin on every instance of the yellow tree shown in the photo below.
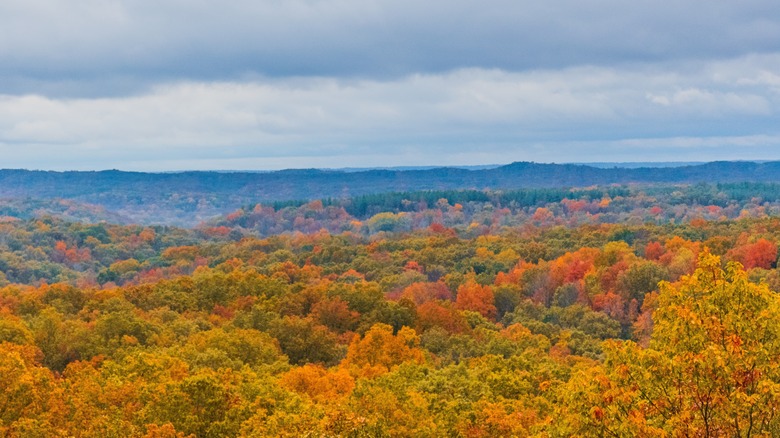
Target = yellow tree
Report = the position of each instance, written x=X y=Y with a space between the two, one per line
x=27 y=392
x=710 y=369
x=379 y=350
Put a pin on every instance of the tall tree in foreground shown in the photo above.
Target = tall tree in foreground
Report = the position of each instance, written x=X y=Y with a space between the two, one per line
x=711 y=368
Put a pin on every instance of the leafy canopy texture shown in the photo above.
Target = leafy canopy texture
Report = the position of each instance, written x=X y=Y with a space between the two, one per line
x=711 y=367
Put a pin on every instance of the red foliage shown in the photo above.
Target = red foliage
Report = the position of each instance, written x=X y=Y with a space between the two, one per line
x=220 y=231
x=609 y=277
x=761 y=254
x=611 y=304
x=574 y=205
x=421 y=293
x=654 y=250
x=437 y=228
x=235 y=215
x=223 y=311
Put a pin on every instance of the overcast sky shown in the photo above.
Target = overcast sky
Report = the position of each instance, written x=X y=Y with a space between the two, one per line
x=249 y=84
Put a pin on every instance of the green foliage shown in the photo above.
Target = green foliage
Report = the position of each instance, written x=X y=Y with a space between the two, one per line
x=305 y=341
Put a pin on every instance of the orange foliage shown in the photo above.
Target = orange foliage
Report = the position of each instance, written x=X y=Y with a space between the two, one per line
x=698 y=222
x=542 y=214
x=654 y=250
x=473 y=296
x=220 y=231
x=411 y=265
x=352 y=276
x=440 y=314
x=514 y=275
x=573 y=266
x=234 y=215
x=147 y=235
x=334 y=313
x=62 y=253
x=680 y=255
x=319 y=383
x=610 y=303
x=165 y=431
x=492 y=419
x=502 y=278
x=574 y=205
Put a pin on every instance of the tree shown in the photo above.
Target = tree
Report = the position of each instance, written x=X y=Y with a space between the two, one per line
x=710 y=369
x=760 y=254
x=26 y=387
x=440 y=314
x=334 y=313
x=218 y=348
x=320 y=384
x=305 y=341
x=473 y=296
x=380 y=350
x=421 y=293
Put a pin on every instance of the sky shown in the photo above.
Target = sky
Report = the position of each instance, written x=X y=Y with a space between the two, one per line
x=159 y=85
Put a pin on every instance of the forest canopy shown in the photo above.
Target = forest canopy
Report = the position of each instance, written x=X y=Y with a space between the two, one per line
x=606 y=311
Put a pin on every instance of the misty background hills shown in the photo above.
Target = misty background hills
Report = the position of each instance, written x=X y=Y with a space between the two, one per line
x=188 y=198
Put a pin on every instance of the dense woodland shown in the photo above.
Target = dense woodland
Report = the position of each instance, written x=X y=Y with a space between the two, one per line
x=188 y=198
x=617 y=310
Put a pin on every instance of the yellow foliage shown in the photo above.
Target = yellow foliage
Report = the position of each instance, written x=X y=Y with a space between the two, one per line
x=710 y=369
x=379 y=351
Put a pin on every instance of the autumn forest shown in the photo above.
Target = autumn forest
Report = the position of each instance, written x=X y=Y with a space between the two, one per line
x=611 y=310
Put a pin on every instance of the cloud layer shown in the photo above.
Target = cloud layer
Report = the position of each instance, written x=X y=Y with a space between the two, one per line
x=178 y=84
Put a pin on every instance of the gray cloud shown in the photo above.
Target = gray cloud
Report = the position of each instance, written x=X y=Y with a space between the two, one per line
x=181 y=84
x=718 y=110
x=102 y=47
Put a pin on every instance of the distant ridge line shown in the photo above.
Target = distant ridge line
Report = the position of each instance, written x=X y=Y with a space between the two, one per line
x=522 y=174
x=193 y=196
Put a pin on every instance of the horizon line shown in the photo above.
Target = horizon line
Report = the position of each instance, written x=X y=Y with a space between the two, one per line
x=593 y=164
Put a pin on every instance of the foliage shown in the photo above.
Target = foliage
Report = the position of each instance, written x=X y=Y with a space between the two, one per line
x=623 y=311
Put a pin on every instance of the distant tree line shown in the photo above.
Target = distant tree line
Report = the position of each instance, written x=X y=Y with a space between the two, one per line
x=367 y=205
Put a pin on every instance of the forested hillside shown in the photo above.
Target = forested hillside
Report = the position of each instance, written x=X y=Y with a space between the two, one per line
x=187 y=198
x=607 y=311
